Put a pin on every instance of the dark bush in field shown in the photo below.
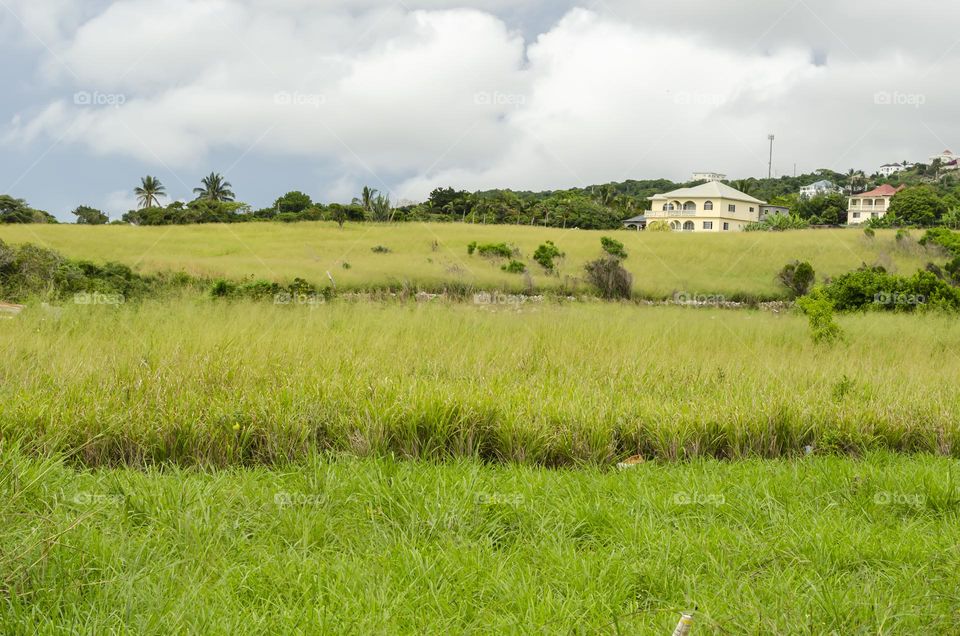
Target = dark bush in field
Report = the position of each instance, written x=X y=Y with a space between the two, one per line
x=610 y=278
x=798 y=277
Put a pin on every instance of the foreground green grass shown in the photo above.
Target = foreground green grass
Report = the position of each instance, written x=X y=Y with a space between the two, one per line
x=346 y=546
x=197 y=381
x=434 y=255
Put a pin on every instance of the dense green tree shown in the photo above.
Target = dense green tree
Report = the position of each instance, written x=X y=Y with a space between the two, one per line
x=17 y=211
x=90 y=216
x=825 y=209
x=919 y=205
x=292 y=202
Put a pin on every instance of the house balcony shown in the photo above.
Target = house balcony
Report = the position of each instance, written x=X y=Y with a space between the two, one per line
x=867 y=208
x=674 y=213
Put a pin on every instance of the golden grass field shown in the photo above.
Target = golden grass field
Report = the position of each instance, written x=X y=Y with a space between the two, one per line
x=432 y=255
x=198 y=380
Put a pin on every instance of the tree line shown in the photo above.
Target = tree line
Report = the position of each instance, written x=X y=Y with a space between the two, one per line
x=927 y=201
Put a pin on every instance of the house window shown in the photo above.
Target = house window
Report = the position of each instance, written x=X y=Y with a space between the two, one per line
x=690 y=205
x=751 y=209
x=708 y=205
x=856 y=215
x=688 y=226
x=855 y=202
x=708 y=225
x=731 y=208
x=668 y=207
x=726 y=226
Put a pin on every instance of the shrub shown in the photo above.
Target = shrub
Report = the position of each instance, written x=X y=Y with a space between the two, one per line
x=797 y=277
x=819 y=311
x=380 y=249
x=950 y=241
x=222 y=288
x=495 y=250
x=658 y=226
x=610 y=278
x=778 y=223
x=471 y=248
x=514 y=267
x=613 y=247
x=545 y=255
x=869 y=233
x=874 y=288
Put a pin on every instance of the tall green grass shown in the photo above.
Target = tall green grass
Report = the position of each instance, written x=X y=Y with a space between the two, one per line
x=434 y=256
x=196 y=381
x=346 y=546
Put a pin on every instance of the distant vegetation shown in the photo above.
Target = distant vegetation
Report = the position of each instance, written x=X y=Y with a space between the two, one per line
x=932 y=198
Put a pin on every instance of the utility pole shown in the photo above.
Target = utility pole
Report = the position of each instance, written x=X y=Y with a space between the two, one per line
x=770 y=165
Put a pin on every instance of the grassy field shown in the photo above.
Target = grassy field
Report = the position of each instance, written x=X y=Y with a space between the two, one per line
x=185 y=464
x=346 y=546
x=198 y=381
x=434 y=255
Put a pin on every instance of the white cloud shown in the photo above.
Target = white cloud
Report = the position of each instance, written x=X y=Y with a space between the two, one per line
x=408 y=100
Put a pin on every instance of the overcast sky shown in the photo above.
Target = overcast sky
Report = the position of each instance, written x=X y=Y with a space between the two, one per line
x=325 y=96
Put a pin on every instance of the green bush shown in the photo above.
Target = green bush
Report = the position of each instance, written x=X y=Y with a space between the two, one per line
x=545 y=255
x=493 y=250
x=380 y=249
x=613 y=247
x=819 y=310
x=778 y=223
x=515 y=267
x=875 y=288
x=949 y=241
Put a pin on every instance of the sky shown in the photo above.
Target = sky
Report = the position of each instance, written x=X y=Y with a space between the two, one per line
x=326 y=96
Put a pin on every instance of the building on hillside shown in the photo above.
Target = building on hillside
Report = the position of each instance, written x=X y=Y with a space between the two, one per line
x=870 y=205
x=708 y=207
x=709 y=176
x=945 y=157
x=888 y=169
x=817 y=188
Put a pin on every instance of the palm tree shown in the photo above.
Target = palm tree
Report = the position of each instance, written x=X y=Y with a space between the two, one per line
x=215 y=188
x=366 y=200
x=149 y=192
x=744 y=185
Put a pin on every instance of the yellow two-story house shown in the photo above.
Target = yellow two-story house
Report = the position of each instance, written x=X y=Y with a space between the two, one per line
x=709 y=207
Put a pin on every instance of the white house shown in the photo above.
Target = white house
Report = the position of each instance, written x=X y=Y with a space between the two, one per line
x=944 y=157
x=709 y=176
x=820 y=187
x=708 y=207
x=871 y=205
x=888 y=169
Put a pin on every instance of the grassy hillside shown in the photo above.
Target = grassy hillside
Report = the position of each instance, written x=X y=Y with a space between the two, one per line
x=224 y=383
x=431 y=255
x=341 y=546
